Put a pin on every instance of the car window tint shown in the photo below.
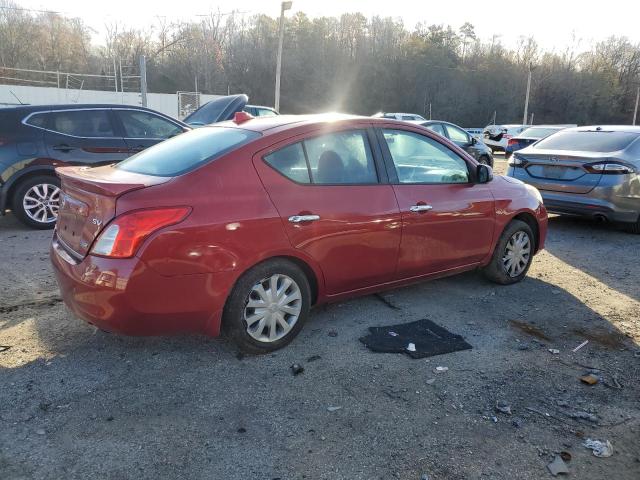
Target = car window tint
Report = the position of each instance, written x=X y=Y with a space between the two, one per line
x=139 y=124
x=82 y=123
x=290 y=162
x=587 y=141
x=457 y=135
x=186 y=152
x=265 y=112
x=37 y=120
x=341 y=158
x=419 y=159
x=436 y=127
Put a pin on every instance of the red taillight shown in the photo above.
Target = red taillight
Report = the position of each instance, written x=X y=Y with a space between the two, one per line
x=512 y=142
x=609 y=168
x=126 y=233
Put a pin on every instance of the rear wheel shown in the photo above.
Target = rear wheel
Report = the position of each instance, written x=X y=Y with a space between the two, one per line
x=267 y=307
x=513 y=254
x=36 y=201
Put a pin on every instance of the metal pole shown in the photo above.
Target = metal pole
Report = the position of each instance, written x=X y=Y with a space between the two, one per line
x=526 y=101
x=429 y=111
x=143 y=80
x=115 y=74
x=635 y=110
x=284 y=6
x=531 y=119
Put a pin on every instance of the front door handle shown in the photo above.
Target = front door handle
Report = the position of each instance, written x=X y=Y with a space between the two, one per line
x=420 y=208
x=303 y=218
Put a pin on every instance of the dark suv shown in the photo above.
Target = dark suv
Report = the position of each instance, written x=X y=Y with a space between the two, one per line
x=34 y=140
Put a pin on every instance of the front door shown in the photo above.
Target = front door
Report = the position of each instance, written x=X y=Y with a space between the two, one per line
x=83 y=137
x=447 y=219
x=327 y=190
x=144 y=129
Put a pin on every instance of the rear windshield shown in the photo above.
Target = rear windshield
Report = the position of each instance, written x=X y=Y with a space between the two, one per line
x=588 y=141
x=187 y=151
x=538 y=132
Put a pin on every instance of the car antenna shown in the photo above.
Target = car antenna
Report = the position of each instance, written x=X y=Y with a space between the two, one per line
x=16 y=97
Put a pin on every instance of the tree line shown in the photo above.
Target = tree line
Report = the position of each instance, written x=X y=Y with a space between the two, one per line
x=349 y=63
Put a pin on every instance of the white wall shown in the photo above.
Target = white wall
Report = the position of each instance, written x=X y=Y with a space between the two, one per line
x=166 y=103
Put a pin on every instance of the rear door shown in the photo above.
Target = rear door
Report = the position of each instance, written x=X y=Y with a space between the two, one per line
x=328 y=190
x=142 y=129
x=447 y=220
x=83 y=137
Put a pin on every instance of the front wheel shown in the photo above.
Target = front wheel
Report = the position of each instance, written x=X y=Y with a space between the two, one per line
x=36 y=201
x=513 y=254
x=267 y=307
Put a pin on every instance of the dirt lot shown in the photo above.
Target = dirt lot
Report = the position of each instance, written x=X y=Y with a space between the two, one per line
x=79 y=403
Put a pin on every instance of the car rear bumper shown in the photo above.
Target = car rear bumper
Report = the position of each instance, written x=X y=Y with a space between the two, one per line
x=126 y=296
x=590 y=205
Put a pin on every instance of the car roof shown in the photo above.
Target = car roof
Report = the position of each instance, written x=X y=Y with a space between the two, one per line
x=74 y=106
x=606 y=128
x=284 y=122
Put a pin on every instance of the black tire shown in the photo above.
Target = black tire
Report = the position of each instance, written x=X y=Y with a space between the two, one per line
x=19 y=194
x=632 y=227
x=507 y=155
x=234 y=323
x=485 y=160
x=496 y=270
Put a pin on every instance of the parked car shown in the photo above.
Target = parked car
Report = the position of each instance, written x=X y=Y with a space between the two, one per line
x=586 y=171
x=532 y=135
x=245 y=225
x=470 y=144
x=36 y=139
x=497 y=136
x=407 y=117
x=224 y=108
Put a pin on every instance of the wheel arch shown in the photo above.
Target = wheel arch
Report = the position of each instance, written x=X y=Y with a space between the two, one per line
x=9 y=187
x=530 y=220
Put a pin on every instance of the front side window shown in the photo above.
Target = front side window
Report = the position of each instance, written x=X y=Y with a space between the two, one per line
x=419 y=159
x=82 y=123
x=457 y=135
x=186 y=152
x=146 y=125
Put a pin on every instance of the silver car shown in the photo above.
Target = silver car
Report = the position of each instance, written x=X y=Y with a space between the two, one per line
x=586 y=171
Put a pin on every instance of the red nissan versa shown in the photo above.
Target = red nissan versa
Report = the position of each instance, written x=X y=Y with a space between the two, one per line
x=247 y=224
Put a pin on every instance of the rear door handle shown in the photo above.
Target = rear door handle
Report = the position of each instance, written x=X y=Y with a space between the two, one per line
x=421 y=208
x=303 y=218
x=63 y=148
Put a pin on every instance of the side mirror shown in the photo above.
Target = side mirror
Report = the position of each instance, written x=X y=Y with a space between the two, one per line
x=474 y=140
x=484 y=173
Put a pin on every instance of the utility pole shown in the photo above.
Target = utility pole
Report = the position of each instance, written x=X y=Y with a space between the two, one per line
x=531 y=119
x=284 y=6
x=635 y=110
x=526 y=101
x=143 y=80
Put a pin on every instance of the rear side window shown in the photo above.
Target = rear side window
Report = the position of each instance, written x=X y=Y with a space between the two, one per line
x=81 y=123
x=139 y=124
x=436 y=127
x=340 y=158
x=188 y=151
x=37 y=120
x=290 y=161
x=265 y=112
x=588 y=141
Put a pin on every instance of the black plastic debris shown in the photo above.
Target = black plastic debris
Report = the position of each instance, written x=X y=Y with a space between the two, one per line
x=4 y=348
x=419 y=339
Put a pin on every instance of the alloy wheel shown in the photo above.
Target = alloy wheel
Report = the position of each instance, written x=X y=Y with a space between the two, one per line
x=273 y=307
x=517 y=254
x=42 y=202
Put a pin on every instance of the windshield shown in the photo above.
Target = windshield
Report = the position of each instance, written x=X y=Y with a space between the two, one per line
x=537 y=132
x=187 y=151
x=588 y=141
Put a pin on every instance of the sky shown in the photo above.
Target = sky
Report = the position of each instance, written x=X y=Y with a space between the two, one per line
x=555 y=24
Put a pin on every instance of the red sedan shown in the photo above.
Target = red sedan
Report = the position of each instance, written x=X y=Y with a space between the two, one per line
x=247 y=224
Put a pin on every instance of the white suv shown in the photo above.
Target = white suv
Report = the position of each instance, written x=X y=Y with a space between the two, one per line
x=411 y=117
x=496 y=137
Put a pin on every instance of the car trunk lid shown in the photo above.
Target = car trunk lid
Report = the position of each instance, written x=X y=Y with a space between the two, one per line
x=558 y=171
x=88 y=202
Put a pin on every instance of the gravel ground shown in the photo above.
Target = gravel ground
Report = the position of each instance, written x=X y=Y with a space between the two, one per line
x=79 y=403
